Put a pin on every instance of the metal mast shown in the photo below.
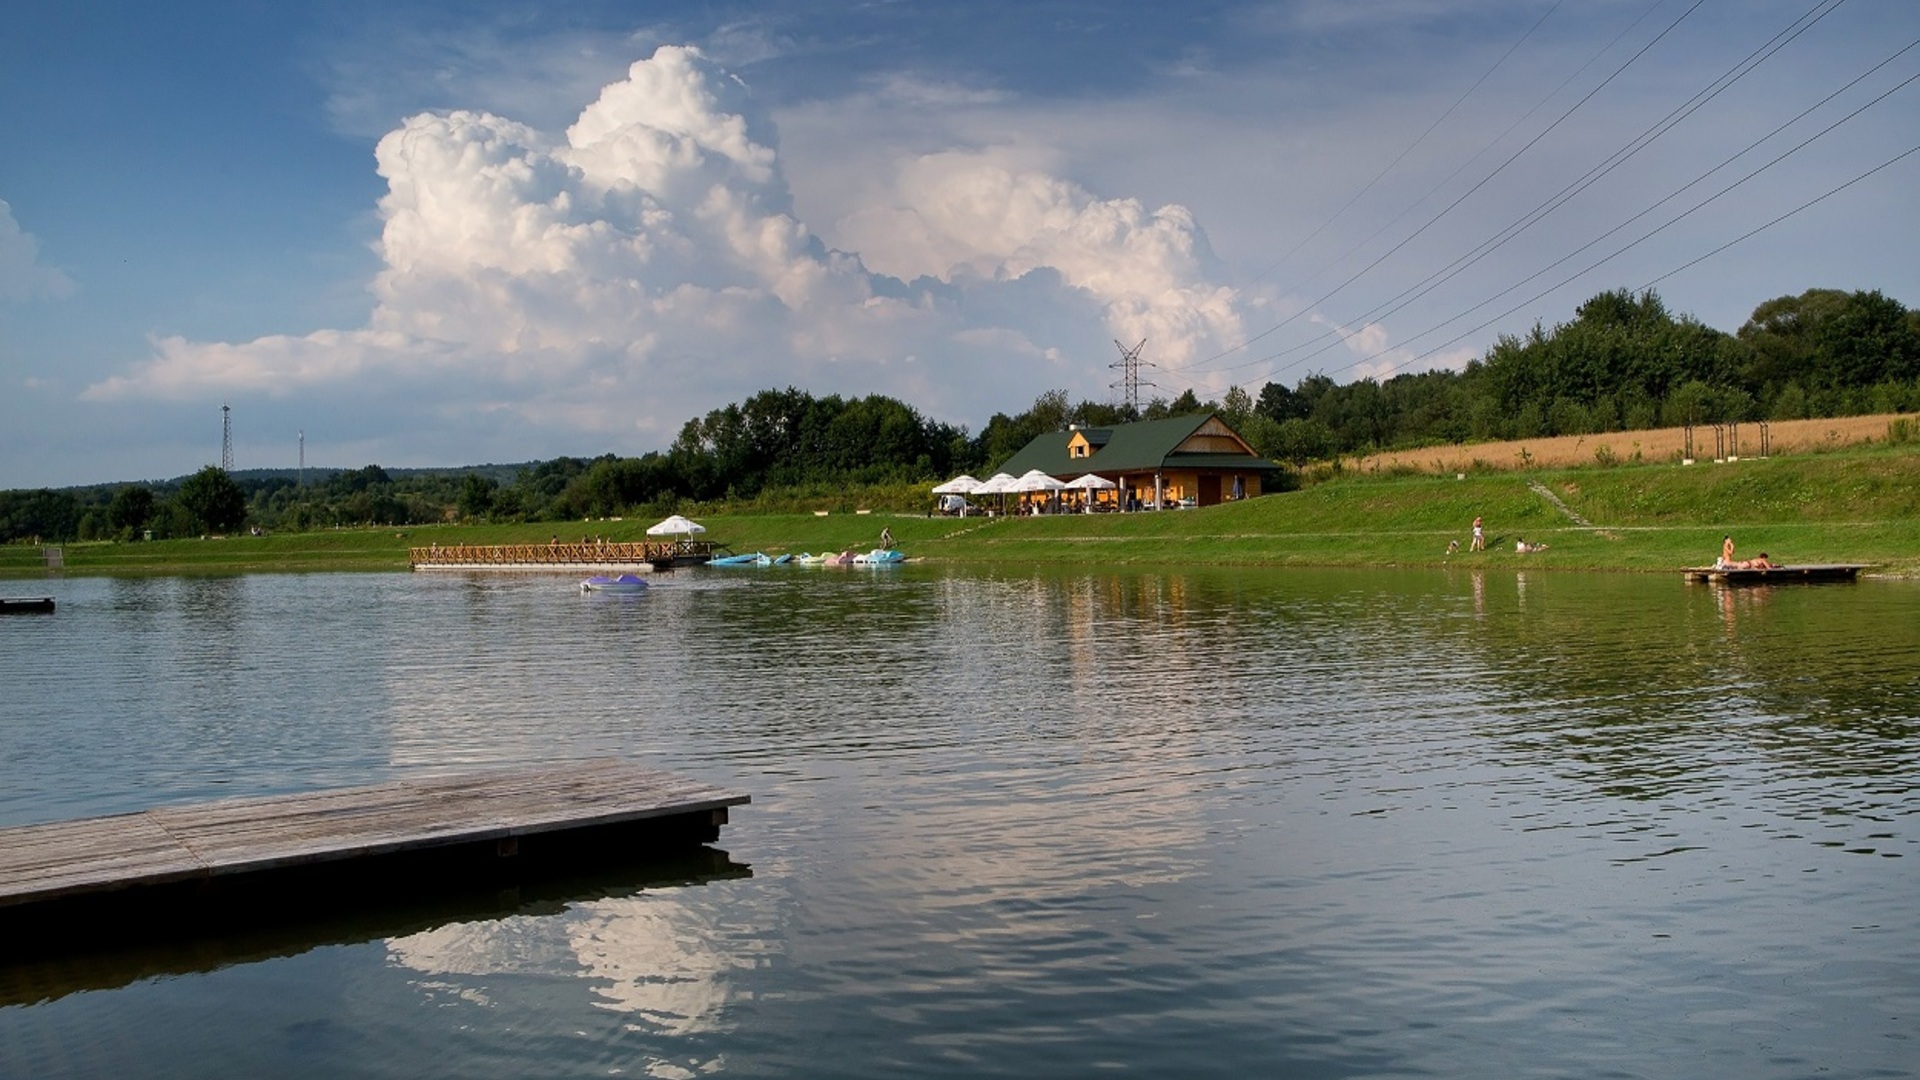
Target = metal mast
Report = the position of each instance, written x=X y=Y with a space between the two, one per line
x=226 y=438
x=1129 y=383
x=303 y=458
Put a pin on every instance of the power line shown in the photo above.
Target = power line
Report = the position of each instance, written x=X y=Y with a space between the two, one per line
x=1798 y=27
x=1482 y=182
x=1422 y=137
x=1603 y=168
x=1435 y=189
x=1663 y=201
x=1744 y=236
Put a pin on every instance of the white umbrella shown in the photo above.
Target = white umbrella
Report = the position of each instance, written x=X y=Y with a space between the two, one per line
x=1035 y=480
x=959 y=485
x=998 y=484
x=676 y=525
x=1090 y=482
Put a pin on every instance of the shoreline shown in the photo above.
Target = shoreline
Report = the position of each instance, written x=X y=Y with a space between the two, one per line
x=1857 y=507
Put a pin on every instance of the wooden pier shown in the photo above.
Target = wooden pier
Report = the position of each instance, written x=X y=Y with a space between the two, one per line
x=1775 y=575
x=166 y=863
x=598 y=556
x=83 y=960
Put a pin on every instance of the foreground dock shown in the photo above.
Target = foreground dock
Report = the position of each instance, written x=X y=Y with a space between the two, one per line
x=1776 y=575
x=167 y=862
x=82 y=960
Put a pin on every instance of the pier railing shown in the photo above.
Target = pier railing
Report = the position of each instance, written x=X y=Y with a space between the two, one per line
x=589 y=553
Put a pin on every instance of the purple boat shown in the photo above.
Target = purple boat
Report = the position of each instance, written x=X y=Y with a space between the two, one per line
x=625 y=583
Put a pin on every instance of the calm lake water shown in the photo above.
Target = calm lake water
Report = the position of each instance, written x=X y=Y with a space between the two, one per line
x=1220 y=823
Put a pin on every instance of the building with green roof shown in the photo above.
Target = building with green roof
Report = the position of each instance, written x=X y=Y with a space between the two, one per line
x=1194 y=460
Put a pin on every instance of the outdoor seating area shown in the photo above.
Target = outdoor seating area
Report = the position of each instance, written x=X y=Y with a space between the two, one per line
x=1169 y=464
x=1033 y=494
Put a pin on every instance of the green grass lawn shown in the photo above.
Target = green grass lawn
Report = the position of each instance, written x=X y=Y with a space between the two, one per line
x=1859 y=506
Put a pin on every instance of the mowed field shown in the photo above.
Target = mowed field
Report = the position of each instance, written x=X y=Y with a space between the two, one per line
x=1654 y=446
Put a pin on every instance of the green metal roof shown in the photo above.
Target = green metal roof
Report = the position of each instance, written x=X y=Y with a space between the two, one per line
x=1142 y=447
x=1221 y=461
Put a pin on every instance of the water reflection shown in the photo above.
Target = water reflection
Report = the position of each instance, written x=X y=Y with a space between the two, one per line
x=648 y=957
x=1051 y=821
x=363 y=915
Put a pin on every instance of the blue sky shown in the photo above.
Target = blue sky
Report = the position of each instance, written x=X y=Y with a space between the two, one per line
x=458 y=233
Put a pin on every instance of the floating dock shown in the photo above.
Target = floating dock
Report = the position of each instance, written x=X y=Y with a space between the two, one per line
x=1776 y=575
x=165 y=862
x=26 y=605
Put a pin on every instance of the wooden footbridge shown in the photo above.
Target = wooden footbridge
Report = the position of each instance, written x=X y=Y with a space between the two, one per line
x=173 y=864
x=592 y=555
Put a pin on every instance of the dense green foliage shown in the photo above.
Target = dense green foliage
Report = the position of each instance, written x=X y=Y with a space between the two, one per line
x=1624 y=362
x=211 y=501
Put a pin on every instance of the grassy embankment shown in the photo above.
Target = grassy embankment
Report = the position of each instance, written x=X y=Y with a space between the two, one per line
x=1858 y=505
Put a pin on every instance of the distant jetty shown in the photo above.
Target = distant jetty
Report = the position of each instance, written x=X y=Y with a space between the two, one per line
x=599 y=556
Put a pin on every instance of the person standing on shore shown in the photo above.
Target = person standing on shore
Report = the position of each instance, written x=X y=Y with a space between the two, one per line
x=1479 y=537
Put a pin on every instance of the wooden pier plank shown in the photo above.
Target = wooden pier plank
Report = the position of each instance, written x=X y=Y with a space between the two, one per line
x=64 y=857
x=426 y=812
x=244 y=835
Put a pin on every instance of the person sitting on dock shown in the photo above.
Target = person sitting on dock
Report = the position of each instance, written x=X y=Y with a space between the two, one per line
x=1726 y=553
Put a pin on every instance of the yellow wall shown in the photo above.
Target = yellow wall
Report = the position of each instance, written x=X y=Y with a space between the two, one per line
x=1185 y=484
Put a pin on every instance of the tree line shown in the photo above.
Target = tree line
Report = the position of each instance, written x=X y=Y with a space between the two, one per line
x=1623 y=362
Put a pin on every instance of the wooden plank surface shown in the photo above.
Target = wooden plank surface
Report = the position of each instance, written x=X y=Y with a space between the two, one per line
x=243 y=835
x=75 y=856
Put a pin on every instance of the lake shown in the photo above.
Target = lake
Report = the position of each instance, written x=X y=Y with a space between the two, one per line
x=1210 y=823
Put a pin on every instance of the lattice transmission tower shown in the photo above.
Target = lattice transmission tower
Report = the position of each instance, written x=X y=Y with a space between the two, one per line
x=1129 y=383
x=226 y=438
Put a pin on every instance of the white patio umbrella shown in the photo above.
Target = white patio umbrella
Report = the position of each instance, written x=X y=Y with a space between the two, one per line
x=997 y=484
x=676 y=526
x=1090 y=484
x=959 y=485
x=1035 y=480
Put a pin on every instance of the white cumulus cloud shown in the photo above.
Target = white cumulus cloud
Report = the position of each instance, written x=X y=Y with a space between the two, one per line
x=960 y=213
x=21 y=275
x=647 y=264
